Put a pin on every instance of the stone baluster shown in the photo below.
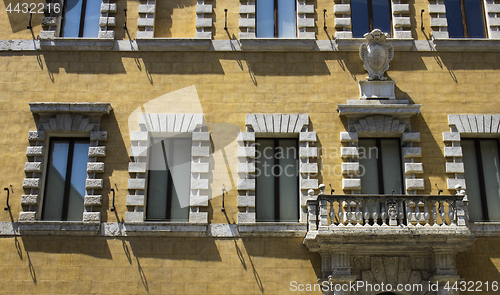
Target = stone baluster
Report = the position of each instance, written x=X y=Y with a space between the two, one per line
x=366 y=214
x=462 y=213
x=443 y=213
x=451 y=212
x=312 y=215
x=427 y=216
x=359 y=215
x=332 y=213
x=341 y=214
x=383 y=213
x=401 y=214
x=434 y=212
x=408 y=212
x=375 y=213
x=418 y=215
x=323 y=214
x=349 y=216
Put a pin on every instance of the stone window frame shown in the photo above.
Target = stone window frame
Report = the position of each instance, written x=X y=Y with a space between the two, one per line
x=305 y=19
x=482 y=125
x=439 y=22
x=401 y=21
x=149 y=124
x=146 y=19
x=271 y=125
x=63 y=120
x=51 y=23
x=380 y=126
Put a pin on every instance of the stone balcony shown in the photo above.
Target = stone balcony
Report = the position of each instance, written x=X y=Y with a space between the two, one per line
x=423 y=232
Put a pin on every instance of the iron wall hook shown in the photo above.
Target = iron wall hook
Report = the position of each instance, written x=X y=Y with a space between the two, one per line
x=113 y=205
x=324 y=19
x=7 y=200
x=225 y=21
x=125 y=24
x=422 y=19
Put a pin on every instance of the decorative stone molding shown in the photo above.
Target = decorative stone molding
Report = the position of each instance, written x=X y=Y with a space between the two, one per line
x=343 y=23
x=492 y=11
x=107 y=21
x=269 y=125
x=376 y=54
x=305 y=19
x=159 y=124
x=146 y=20
x=392 y=120
x=51 y=21
x=60 y=119
x=203 y=24
x=469 y=124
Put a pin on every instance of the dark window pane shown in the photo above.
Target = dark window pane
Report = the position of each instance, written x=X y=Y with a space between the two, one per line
x=368 y=155
x=472 y=179
x=475 y=23
x=454 y=18
x=265 y=19
x=288 y=180
x=391 y=166
x=169 y=176
x=359 y=18
x=382 y=15
x=265 y=180
x=491 y=172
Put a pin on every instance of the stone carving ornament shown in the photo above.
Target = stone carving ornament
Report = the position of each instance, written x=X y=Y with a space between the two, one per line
x=376 y=54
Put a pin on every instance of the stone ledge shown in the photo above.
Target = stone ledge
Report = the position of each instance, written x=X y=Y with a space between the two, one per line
x=173 y=44
x=165 y=228
x=73 y=228
x=77 y=44
x=277 y=44
x=467 y=44
x=273 y=229
x=485 y=229
x=354 y=44
x=70 y=107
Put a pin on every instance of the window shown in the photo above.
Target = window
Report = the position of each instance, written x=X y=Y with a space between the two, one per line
x=81 y=18
x=66 y=176
x=482 y=176
x=277 y=183
x=381 y=169
x=276 y=18
x=368 y=15
x=465 y=18
x=169 y=176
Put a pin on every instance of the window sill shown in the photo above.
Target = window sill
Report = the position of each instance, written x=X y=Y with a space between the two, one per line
x=354 y=44
x=60 y=228
x=467 y=44
x=164 y=228
x=173 y=44
x=273 y=229
x=485 y=229
x=278 y=44
x=77 y=44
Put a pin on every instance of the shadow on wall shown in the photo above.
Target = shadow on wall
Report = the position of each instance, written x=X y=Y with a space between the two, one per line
x=175 y=19
x=19 y=15
x=481 y=262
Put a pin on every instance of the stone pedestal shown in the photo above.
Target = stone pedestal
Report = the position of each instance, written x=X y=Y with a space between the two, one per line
x=445 y=280
x=340 y=285
x=376 y=89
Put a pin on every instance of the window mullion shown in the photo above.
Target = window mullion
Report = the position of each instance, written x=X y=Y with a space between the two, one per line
x=370 y=14
x=380 y=168
x=276 y=29
x=276 y=181
x=482 y=186
x=67 y=182
x=464 y=19
x=82 y=18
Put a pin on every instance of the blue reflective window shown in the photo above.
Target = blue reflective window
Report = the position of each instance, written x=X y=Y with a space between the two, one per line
x=276 y=18
x=367 y=15
x=66 y=176
x=81 y=18
x=465 y=18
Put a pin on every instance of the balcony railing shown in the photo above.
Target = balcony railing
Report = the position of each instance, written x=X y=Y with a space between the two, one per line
x=333 y=211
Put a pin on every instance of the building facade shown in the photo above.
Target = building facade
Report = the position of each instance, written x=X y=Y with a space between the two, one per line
x=238 y=147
